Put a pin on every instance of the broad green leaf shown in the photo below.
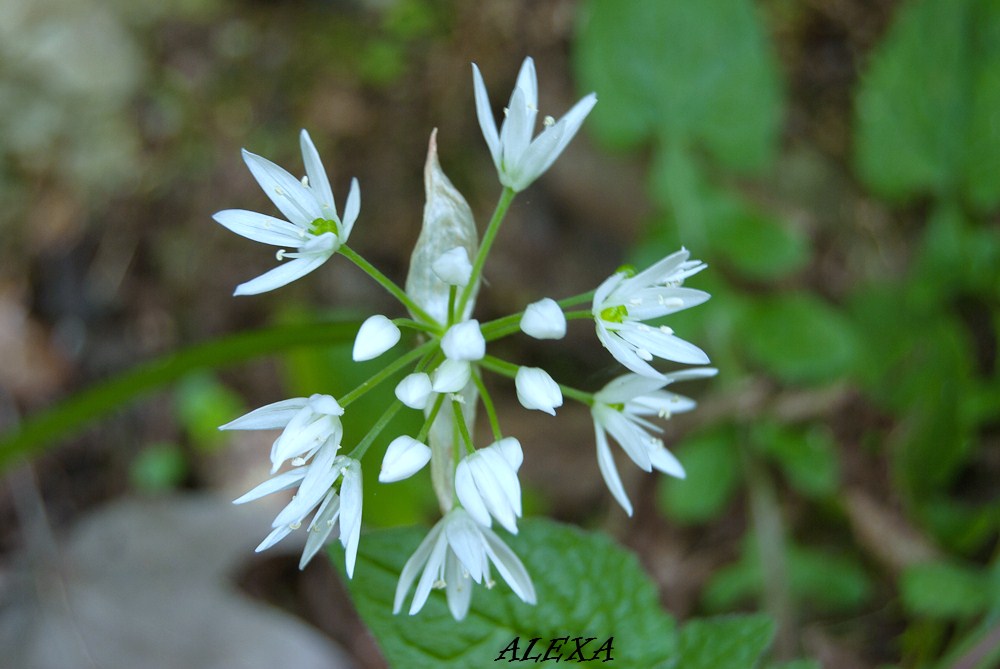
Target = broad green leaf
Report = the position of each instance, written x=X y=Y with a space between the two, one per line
x=799 y=338
x=929 y=106
x=731 y=642
x=827 y=581
x=712 y=464
x=945 y=590
x=586 y=585
x=757 y=245
x=807 y=456
x=695 y=72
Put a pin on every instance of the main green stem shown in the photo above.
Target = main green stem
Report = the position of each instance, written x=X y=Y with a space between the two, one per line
x=506 y=197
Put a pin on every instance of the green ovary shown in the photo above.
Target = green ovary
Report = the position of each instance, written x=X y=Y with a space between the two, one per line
x=614 y=314
x=322 y=225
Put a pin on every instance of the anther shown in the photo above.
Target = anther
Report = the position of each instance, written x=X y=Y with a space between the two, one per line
x=548 y=121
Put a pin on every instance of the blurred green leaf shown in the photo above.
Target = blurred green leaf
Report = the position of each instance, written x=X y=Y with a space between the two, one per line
x=157 y=468
x=808 y=456
x=712 y=464
x=796 y=664
x=929 y=108
x=945 y=590
x=693 y=72
x=757 y=245
x=202 y=405
x=828 y=581
x=732 y=642
x=586 y=585
x=961 y=527
x=799 y=338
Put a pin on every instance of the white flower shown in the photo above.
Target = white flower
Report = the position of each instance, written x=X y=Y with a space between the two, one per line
x=317 y=492
x=537 y=390
x=621 y=303
x=486 y=483
x=404 y=458
x=313 y=227
x=456 y=552
x=451 y=376
x=464 y=341
x=415 y=390
x=375 y=336
x=519 y=159
x=621 y=407
x=544 y=320
x=453 y=267
x=308 y=424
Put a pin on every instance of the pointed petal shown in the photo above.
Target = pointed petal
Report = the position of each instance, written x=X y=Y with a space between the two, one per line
x=281 y=275
x=276 y=535
x=633 y=440
x=469 y=494
x=627 y=387
x=606 y=463
x=430 y=575
x=485 y=115
x=318 y=181
x=412 y=566
x=515 y=135
x=466 y=539
x=527 y=81
x=350 y=519
x=624 y=353
x=509 y=566
x=260 y=227
x=665 y=461
x=458 y=587
x=282 y=481
x=268 y=417
x=351 y=210
x=286 y=192
x=320 y=529
x=661 y=344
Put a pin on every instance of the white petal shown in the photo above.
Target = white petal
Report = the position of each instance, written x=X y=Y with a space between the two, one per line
x=276 y=535
x=268 y=417
x=458 y=587
x=665 y=461
x=515 y=135
x=453 y=267
x=662 y=345
x=351 y=210
x=537 y=390
x=633 y=439
x=606 y=463
x=627 y=387
x=319 y=184
x=550 y=144
x=624 y=353
x=320 y=528
x=281 y=275
x=260 y=227
x=376 y=336
x=466 y=539
x=404 y=458
x=464 y=341
x=413 y=565
x=282 y=481
x=451 y=376
x=510 y=448
x=432 y=570
x=414 y=390
x=544 y=320
x=509 y=566
x=468 y=493
x=286 y=192
x=351 y=499
x=527 y=81
x=485 y=115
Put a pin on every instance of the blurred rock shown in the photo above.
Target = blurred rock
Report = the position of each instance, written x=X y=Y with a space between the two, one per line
x=147 y=583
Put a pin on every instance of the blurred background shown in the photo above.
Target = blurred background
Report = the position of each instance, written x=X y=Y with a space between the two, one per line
x=836 y=162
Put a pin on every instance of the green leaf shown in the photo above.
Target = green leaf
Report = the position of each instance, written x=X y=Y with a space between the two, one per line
x=712 y=465
x=158 y=468
x=757 y=245
x=796 y=664
x=799 y=338
x=731 y=642
x=945 y=590
x=72 y=413
x=928 y=108
x=586 y=585
x=695 y=72
x=808 y=456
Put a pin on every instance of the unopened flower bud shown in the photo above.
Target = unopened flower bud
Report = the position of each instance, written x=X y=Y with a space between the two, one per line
x=453 y=267
x=537 y=390
x=404 y=458
x=376 y=336
x=544 y=320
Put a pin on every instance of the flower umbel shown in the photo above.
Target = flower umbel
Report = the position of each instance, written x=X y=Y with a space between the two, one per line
x=519 y=159
x=621 y=303
x=313 y=227
x=621 y=409
x=456 y=552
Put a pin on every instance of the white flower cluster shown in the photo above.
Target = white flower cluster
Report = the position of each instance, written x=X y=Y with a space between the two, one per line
x=444 y=381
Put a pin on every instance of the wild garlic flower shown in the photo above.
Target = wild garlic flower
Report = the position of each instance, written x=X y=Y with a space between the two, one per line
x=313 y=227
x=306 y=423
x=404 y=457
x=316 y=491
x=486 y=483
x=375 y=336
x=621 y=409
x=621 y=303
x=519 y=159
x=544 y=319
x=454 y=554
x=537 y=390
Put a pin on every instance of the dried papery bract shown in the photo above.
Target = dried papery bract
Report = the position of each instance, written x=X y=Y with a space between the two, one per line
x=448 y=224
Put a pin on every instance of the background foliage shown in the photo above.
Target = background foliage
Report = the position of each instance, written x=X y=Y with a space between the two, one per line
x=836 y=163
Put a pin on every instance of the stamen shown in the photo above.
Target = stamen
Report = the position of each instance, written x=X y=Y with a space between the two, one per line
x=666 y=330
x=294 y=526
x=305 y=181
x=299 y=461
x=280 y=255
x=644 y=354
x=548 y=121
